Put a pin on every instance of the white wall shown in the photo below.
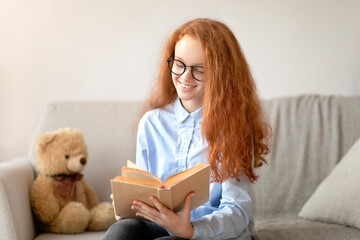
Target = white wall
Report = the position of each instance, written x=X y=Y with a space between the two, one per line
x=54 y=50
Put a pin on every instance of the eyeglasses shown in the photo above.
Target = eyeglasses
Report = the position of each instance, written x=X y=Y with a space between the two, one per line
x=178 y=68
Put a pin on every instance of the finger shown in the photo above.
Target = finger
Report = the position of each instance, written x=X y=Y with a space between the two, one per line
x=144 y=208
x=158 y=204
x=146 y=216
x=116 y=216
x=145 y=211
x=111 y=196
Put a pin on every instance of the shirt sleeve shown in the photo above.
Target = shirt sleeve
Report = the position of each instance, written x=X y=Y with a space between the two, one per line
x=231 y=220
x=142 y=156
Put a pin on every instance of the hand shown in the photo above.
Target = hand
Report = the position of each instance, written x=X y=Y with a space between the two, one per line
x=177 y=223
x=116 y=216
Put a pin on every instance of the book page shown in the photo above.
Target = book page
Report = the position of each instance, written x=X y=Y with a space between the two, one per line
x=130 y=164
x=138 y=173
x=178 y=177
x=141 y=181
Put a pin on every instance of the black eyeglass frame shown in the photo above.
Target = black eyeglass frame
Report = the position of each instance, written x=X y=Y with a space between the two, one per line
x=185 y=67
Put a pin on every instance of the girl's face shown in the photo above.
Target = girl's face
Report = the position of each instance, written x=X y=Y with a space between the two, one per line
x=190 y=91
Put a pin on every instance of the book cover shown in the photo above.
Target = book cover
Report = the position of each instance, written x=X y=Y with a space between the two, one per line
x=138 y=184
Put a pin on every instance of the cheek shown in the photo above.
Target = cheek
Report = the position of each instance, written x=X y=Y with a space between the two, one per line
x=202 y=88
x=175 y=82
x=174 y=79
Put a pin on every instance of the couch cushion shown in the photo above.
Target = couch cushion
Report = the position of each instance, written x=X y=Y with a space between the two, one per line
x=16 y=220
x=110 y=133
x=81 y=236
x=337 y=199
x=297 y=228
x=310 y=135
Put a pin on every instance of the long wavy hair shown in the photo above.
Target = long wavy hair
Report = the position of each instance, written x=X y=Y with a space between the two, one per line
x=233 y=121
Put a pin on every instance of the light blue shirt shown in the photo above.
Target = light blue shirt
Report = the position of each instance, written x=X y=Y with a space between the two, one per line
x=169 y=141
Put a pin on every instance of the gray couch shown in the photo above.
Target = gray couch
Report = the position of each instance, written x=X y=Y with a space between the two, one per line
x=310 y=135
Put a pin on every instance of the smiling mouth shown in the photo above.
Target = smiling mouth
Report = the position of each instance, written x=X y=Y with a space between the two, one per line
x=186 y=86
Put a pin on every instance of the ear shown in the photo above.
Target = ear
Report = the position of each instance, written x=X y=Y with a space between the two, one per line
x=43 y=140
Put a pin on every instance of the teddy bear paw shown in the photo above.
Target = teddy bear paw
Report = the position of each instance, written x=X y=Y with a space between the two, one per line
x=101 y=217
x=73 y=218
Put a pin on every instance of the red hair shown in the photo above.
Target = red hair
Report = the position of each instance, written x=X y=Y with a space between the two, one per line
x=233 y=121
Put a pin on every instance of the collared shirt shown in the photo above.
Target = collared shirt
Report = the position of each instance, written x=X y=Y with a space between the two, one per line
x=169 y=141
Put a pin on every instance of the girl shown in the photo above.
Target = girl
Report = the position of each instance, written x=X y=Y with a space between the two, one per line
x=204 y=109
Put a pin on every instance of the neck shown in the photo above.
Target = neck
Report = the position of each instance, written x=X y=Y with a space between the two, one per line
x=190 y=106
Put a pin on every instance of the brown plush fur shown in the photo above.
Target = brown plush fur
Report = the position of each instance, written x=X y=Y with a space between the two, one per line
x=65 y=152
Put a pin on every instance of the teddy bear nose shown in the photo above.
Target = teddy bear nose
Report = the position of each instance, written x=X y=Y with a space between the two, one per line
x=83 y=161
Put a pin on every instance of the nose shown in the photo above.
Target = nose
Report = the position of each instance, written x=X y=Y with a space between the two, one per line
x=83 y=161
x=187 y=74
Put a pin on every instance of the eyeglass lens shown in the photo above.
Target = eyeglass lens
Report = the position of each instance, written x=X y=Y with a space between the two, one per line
x=177 y=67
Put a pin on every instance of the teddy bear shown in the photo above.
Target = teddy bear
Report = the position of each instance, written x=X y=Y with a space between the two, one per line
x=61 y=198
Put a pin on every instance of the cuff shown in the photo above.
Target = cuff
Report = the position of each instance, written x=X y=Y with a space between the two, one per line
x=199 y=228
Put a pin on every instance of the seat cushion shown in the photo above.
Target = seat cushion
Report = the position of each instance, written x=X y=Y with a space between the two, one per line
x=81 y=236
x=297 y=228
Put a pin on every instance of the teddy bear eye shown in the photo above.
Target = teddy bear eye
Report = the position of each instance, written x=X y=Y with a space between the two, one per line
x=67 y=156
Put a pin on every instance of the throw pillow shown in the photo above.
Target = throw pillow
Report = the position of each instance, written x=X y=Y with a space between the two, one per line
x=337 y=198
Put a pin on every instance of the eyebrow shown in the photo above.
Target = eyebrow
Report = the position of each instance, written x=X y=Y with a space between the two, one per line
x=197 y=64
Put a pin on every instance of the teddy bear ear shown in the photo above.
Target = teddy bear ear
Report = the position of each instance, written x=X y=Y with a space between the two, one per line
x=43 y=140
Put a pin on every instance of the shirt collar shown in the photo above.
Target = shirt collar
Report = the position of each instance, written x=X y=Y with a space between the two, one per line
x=182 y=114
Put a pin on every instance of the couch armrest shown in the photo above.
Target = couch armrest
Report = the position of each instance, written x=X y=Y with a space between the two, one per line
x=16 y=178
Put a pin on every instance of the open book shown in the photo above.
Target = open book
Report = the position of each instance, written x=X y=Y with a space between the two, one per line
x=138 y=184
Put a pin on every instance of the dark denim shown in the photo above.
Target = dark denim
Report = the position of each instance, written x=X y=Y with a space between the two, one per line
x=133 y=229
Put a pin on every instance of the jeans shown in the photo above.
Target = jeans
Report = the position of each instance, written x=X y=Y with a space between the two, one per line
x=133 y=229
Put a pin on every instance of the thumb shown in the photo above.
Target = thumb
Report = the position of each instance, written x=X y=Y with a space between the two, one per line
x=188 y=200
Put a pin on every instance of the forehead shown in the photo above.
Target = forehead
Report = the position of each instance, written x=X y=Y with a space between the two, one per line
x=189 y=49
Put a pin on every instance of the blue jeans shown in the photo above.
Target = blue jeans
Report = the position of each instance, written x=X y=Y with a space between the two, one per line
x=133 y=229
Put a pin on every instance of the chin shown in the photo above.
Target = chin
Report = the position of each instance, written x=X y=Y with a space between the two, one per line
x=186 y=98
